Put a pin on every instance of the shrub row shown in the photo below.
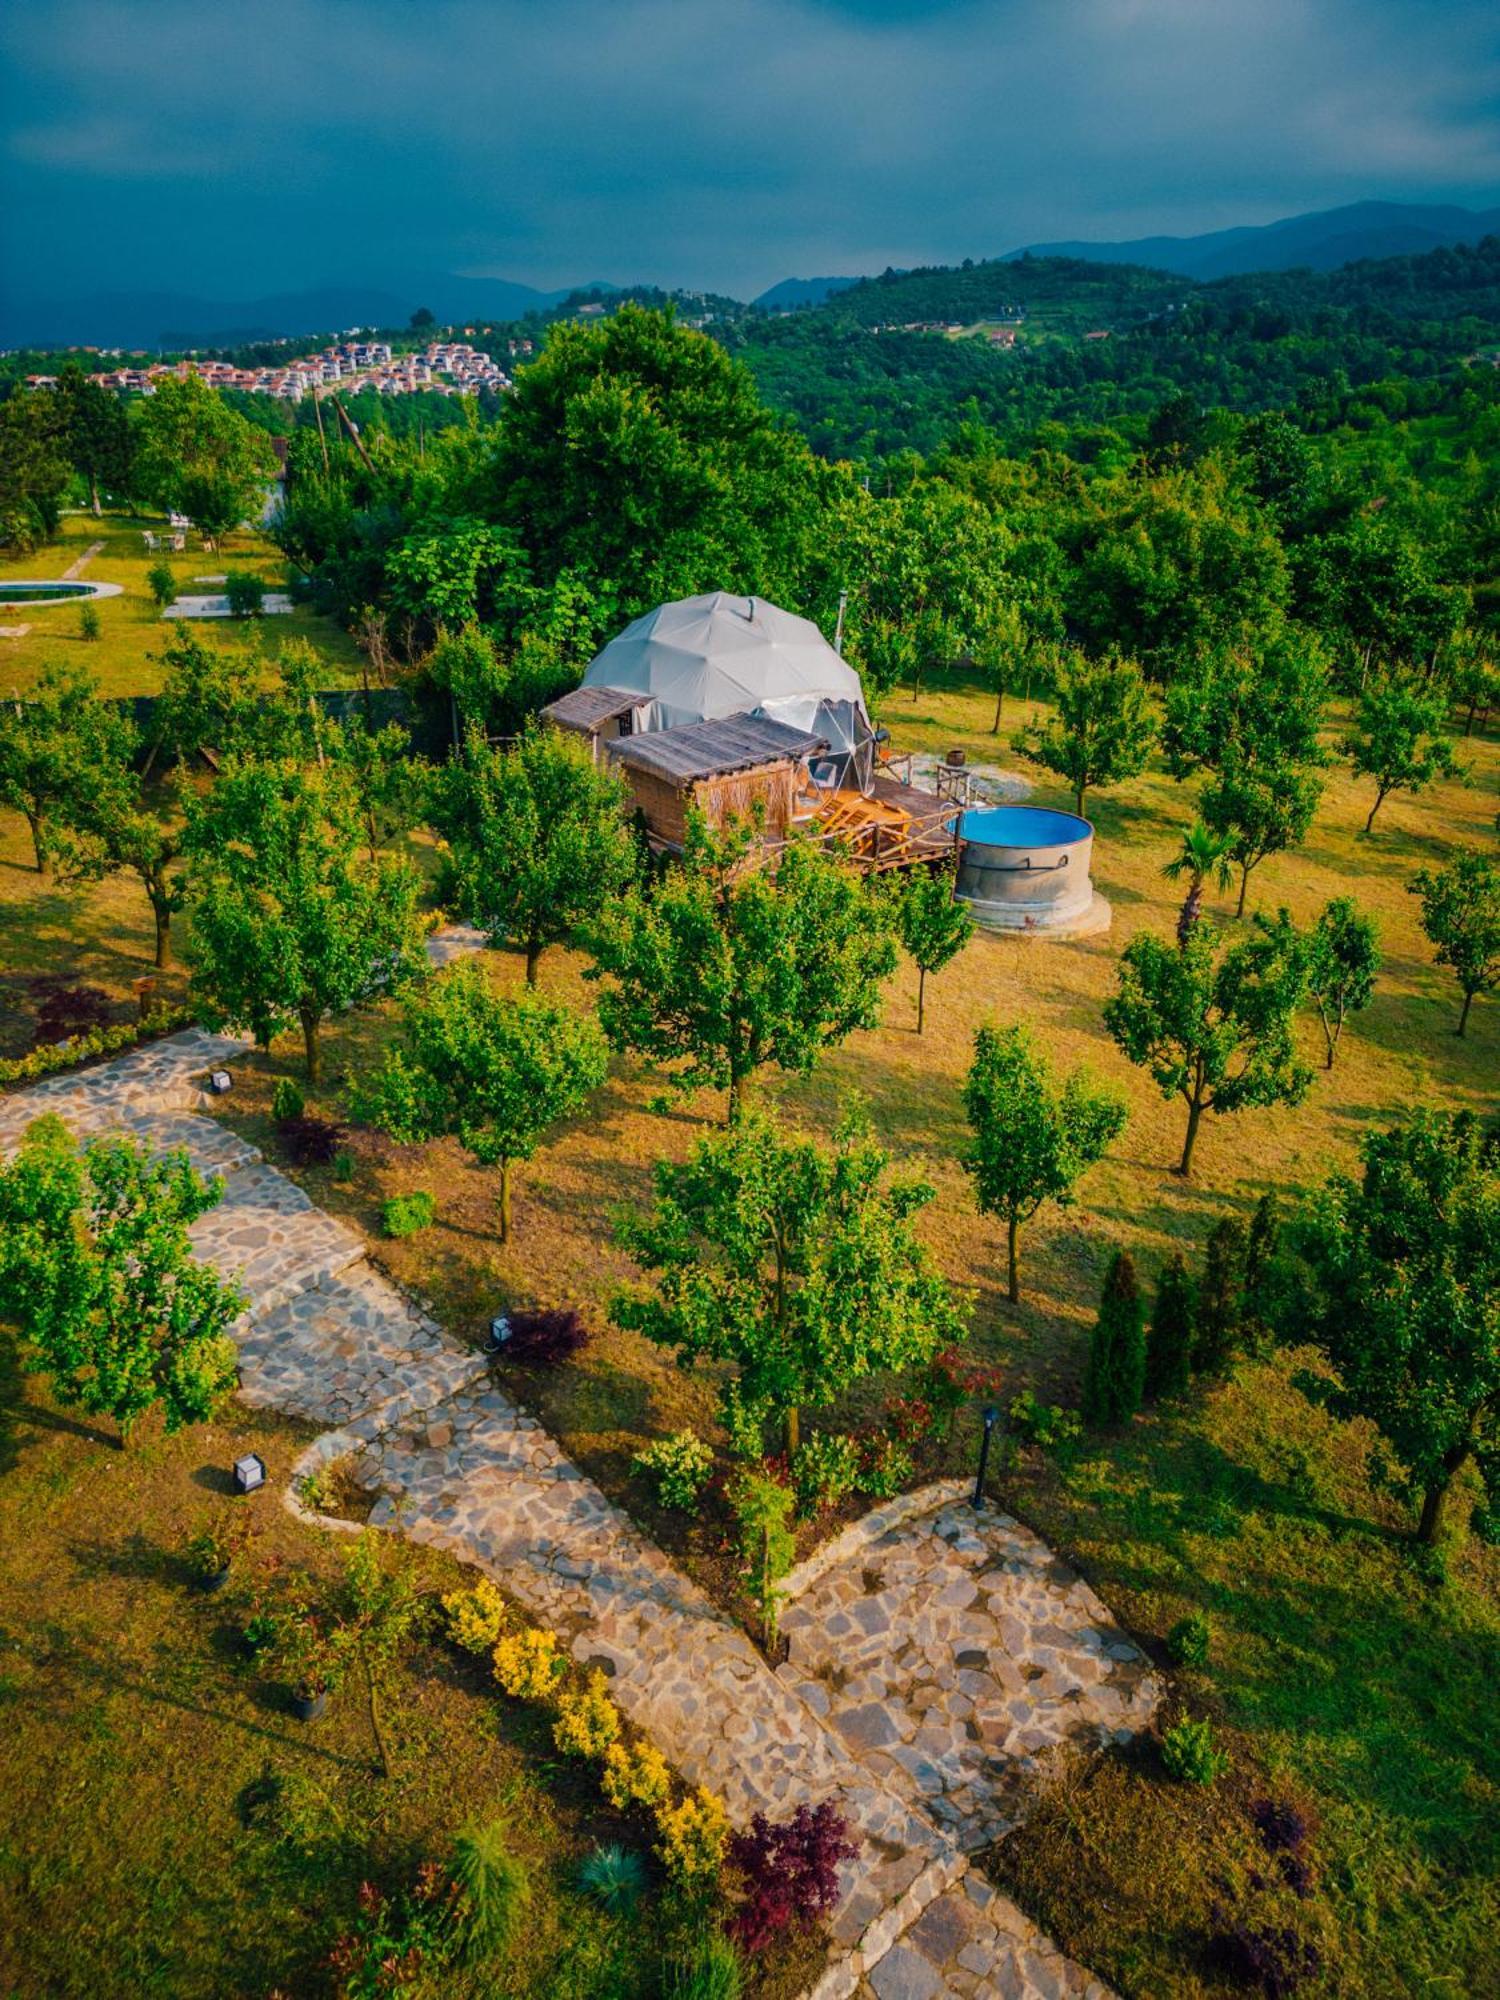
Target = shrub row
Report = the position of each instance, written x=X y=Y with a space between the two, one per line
x=49 y=1057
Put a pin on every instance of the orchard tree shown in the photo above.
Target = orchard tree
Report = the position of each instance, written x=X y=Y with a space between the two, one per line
x=1474 y=677
x=209 y=701
x=1214 y=1026
x=1401 y=1296
x=539 y=838
x=1104 y=728
x=52 y=748
x=1116 y=1377
x=467 y=666
x=1258 y=809
x=1461 y=916
x=934 y=927
x=1343 y=956
x=1033 y=1142
x=34 y=468
x=495 y=1070
x=1400 y=739
x=197 y=456
x=719 y=967
x=389 y=779
x=98 y=1277
x=1203 y=854
x=1264 y=707
x=289 y=923
x=797 y=1263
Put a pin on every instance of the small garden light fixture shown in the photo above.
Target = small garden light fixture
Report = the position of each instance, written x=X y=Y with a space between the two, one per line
x=499 y=1334
x=219 y=1081
x=249 y=1472
x=991 y=1417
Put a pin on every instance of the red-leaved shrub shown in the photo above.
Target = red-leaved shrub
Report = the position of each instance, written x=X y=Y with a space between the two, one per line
x=72 y=1010
x=790 y=1871
x=542 y=1336
x=310 y=1141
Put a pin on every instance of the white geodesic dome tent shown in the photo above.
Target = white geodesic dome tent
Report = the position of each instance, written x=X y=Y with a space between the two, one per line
x=704 y=659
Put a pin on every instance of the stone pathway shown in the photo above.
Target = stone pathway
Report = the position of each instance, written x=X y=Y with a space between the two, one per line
x=878 y=1709
x=80 y=563
x=953 y=1653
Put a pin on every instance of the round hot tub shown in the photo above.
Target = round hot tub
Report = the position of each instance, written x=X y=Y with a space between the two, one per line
x=1026 y=868
x=59 y=591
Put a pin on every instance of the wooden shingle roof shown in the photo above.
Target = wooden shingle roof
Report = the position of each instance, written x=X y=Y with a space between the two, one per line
x=587 y=707
x=709 y=749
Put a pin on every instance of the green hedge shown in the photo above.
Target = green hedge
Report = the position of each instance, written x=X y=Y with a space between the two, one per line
x=49 y=1057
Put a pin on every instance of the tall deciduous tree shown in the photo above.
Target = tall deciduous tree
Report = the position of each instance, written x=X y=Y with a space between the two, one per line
x=196 y=455
x=34 y=469
x=52 y=748
x=1343 y=956
x=934 y=927
x=1461 y=915
x=289 y=922
x=1258 y=809
x=1104 y=728
x=798 y=1263
x=1400 y=739
x=98 y=1277
x=1402 y=1299
x=97 y=433
x=539 y=838
x=1214 y=1026
x=719 y=968
x=495 y=1070
x=1033 y=1142
x=1116 y=1377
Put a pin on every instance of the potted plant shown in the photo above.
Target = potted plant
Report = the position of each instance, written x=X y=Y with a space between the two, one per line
x=210 y=1551
x=305 y=1654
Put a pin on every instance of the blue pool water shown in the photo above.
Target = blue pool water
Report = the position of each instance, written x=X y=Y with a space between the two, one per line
x=1023 y=826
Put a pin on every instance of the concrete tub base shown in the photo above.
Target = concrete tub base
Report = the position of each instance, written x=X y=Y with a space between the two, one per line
x=1004 y=919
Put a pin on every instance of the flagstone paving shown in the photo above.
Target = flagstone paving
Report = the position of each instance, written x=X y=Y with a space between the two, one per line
x=936 y=1655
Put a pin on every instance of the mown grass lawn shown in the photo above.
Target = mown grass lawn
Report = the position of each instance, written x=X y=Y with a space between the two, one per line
x=124 y=659
x=1338 y=1669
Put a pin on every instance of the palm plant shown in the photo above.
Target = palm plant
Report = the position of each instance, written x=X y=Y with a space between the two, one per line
x=1202 y=853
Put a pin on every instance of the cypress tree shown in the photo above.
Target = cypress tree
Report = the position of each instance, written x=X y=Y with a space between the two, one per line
x=1117 y=1353
x=1170 y=1346
x=1221 y=1299
x=1257 y=1315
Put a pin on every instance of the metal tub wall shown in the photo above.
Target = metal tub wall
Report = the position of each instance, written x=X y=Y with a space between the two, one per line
x=1025 y=867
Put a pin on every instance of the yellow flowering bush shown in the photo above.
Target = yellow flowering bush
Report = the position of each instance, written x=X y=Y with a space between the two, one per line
x=588 y=1722
x=476 y=1617
x=635 y=1775
x=694 y=1834
x=528 y=1664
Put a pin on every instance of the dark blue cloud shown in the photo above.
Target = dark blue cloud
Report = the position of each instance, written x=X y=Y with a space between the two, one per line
x=231 y=151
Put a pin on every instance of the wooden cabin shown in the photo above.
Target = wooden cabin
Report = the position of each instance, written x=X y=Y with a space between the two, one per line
x=729 y=769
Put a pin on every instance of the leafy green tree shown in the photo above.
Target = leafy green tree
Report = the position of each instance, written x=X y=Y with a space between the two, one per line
x=460 y=578
x=1203 y=853
x=196 y=455
x=1169 y=1343
x=98 y=1277
x=719 y=968
x=34 y=468
x=762 y=1508
x=209 y=701
x=1400 y=739
x=97 y=433
x=1474 y=677
x=934 y=927
x=1343 y=956
x=126 y=832
x=1032 y=1142
x=1219 y=1324
x=469 y=670
x=162 y=585
x=289 y=923
x=1104 y=728
x=798 y=1263
x=1258 y=809
x=495 y=1070
x=1116 y=1378
x=539 y=837
x=1461 y=916
x=1263 y=705
x=377 y=1611
x=389 y=780
x=1401 y=1296
x=1214 y=1026
x=637 y=456
x=52 y=747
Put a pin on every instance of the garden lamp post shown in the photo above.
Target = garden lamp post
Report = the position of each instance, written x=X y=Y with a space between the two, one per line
x=991 y=1416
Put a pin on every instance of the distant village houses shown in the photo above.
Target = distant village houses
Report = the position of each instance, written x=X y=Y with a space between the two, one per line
x=443 y=368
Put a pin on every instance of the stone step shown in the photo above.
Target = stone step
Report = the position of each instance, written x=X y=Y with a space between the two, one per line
x=346 y=1345
x=268 y=1238
x=164 y=1076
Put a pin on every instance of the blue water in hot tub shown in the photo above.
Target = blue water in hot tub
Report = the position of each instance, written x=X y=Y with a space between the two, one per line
x=1023 y=826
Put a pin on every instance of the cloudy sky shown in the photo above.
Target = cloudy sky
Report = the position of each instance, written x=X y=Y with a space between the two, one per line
x=233 y=150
